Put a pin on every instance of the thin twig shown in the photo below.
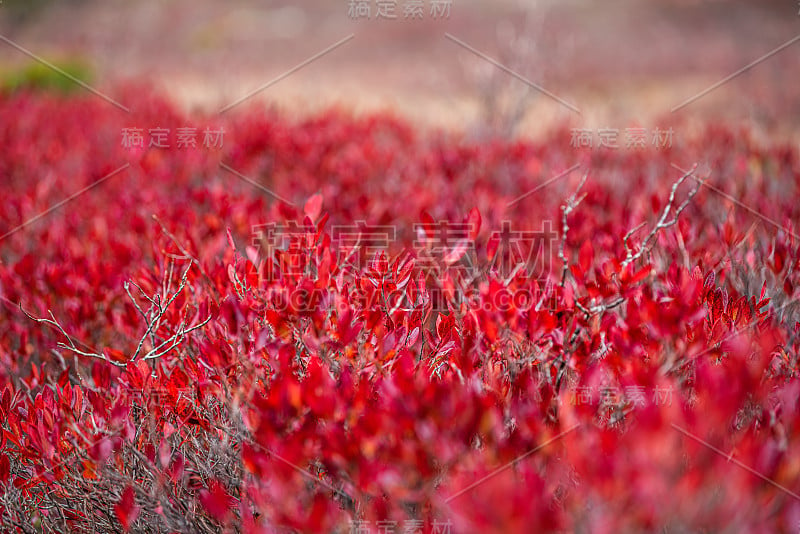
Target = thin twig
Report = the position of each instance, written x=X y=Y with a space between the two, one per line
x=663 y=221
x=568 y=207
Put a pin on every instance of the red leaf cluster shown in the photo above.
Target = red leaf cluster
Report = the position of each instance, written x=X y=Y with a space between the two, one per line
x=404 y=346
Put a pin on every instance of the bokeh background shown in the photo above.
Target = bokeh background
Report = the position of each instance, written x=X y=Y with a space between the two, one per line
x=620 y=62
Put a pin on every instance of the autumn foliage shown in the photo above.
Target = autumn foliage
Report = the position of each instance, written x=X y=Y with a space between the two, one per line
x=167 y=366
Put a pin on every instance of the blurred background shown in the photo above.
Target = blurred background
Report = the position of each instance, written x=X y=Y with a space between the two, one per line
x=609 y=64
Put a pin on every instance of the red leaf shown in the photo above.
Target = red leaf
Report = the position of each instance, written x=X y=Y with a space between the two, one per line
x=641 y=274
x=569 y=296
x=735 y=310
x=322 y=222
x=176 y=469
x=5 y=468
x=426 y=228
x=164 y=453
x=457 y=252
x=101 y=450
x=251 y=276
x=313 y=206
x=5 y=402
x=708 y=283
x=253 y=460
x=115 y=355
x=474 y=220
x=63 y=379
x=492 y=245
x=585 y=256
x=126 y=509
x=216 y=501
x=747 y=311
x=252 y=254
x=717 y=307
x=346 y=330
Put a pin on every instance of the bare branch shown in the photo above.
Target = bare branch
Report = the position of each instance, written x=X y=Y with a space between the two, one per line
x=569 y=206
x=664 y=221
x=175 y=339
x=158 y=313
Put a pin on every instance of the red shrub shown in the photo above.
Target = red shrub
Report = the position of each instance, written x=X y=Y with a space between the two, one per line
x=182 y=351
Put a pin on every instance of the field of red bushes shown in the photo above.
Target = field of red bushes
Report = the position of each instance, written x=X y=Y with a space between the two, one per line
x=346 y=324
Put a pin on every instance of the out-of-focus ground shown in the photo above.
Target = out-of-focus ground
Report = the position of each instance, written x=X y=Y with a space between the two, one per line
x=622 y=63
